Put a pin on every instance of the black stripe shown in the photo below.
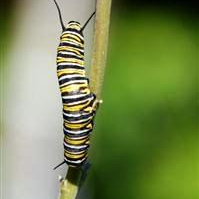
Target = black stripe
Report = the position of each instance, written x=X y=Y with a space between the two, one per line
x=77 y=135
x=80 y=138
x=92 y=101
x=71 y=93
x=79 y=129
x=60 y=67
x=74 y=112
x=71 y=79
x=75 y=91
x=79 y=165
x=68 y=50
x=76 y=165
x=76 y=159
x=75 y=150
x=65 y=43
x=69 y=37
x=72 y=33
x=77 y=99
x=69 y=56
x=73 y=83
x=69 y=74
x=81 y=103
x=74 y=30
x=84 y=123
x=74 y=22
x=75 y=119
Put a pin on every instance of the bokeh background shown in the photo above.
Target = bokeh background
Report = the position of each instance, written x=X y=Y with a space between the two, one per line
x=145 y=144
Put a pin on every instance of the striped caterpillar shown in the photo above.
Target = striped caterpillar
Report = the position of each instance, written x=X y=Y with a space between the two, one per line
x=79 y=103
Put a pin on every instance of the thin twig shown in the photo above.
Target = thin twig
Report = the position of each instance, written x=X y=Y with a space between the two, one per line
x=70 y=186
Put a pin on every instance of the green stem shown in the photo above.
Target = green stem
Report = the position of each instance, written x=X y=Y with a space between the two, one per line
x=70 y=186
x=100 y=46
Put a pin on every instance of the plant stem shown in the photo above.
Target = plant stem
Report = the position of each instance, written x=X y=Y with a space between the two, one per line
x=70 y=186
x=100 y=46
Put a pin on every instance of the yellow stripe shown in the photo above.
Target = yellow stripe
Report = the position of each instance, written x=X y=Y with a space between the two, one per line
x=73 y=60
x=75 y=26
x=73 y=41
x=71 y=35
x=75 y=156
x=69 y=71
x=88 y=109
x=87 y=142
x=73 y=153
x=68 y=48
x=72 y=87
x=76 y=107
x=76 y=142
x=85 y=91
x=70 y=39
x=89 y=126
x=74 y=126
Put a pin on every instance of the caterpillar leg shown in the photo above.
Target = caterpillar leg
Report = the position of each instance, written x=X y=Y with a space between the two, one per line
x=96 y=104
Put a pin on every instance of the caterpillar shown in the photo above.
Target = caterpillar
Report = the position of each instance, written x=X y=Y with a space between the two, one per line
x=79 y=103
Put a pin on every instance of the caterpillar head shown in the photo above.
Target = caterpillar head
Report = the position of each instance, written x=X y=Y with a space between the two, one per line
x=73 y=25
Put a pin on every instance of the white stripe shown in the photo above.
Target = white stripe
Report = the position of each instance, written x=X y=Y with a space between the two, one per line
x=74 y=33
x=75 y=161
x=67 y=53
x=74 y=81
x=79 y=121
x=75 y=115
x=68 y=64
x=70 y=76
x=72 y=115
x=76 y=48
x=74 y=58
x=73 y=43
x=75 y=147
x=79 y=102
x=76 y=153
x=77 y=138
x=76 y=132
x=73 y=24
x=73 y=96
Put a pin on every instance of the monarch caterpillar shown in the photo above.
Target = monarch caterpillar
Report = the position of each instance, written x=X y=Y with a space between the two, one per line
x=79 y=103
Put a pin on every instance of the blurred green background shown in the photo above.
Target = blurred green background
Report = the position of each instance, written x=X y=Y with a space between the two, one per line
x=146 y=142
x=145 y=145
